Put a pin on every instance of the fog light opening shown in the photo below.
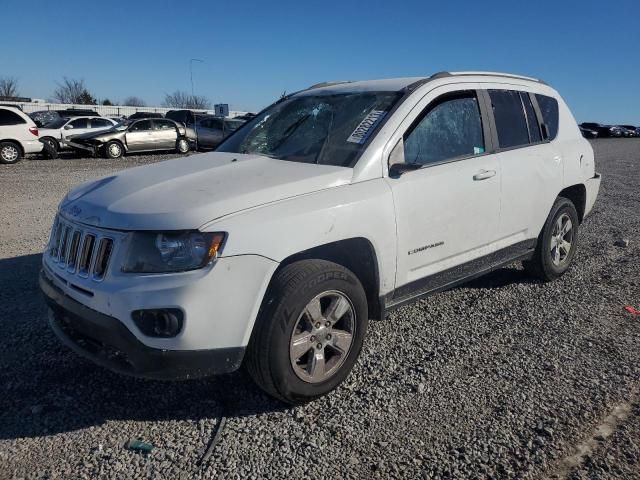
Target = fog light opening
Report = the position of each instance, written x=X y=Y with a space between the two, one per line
x=163 y=323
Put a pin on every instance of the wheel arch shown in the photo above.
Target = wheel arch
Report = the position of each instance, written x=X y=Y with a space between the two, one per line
x=578 y=196
x=358 y=255
x=47 y=137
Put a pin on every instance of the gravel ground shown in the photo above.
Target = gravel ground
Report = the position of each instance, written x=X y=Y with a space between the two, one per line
x=503 y=377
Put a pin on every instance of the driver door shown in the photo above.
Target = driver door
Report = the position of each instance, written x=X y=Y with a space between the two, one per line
x=139 y=136
x=446 y=190
x=77 y=126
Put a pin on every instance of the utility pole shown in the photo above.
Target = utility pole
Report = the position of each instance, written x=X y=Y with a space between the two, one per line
x=193 y=96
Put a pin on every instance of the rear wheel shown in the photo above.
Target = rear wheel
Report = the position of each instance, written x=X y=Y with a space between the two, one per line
x=182 y=145
x=557 y=243
x=51 y=147
x=310 y=331
x=113 y=149
x=9 y=152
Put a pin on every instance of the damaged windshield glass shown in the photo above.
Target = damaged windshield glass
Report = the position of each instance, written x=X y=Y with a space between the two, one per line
x=328 y=129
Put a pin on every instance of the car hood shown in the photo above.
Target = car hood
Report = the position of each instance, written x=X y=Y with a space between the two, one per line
x=186 y=193
x=90 y=135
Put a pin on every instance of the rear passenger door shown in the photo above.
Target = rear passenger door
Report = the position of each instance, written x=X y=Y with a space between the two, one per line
x=164 y=134
x=446 y=190
x=531 y=167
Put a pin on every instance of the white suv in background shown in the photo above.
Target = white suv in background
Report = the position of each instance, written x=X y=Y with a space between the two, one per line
x=331 y=207
x=18 y=135
x=56 y=132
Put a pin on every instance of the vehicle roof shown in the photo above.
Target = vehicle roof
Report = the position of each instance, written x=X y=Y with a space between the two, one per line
x=397 y=84
x=13 y=108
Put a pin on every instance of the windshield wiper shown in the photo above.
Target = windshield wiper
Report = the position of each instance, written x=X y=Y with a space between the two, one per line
x=290 y=131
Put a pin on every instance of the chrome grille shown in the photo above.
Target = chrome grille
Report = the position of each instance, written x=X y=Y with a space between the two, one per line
x=79 y=249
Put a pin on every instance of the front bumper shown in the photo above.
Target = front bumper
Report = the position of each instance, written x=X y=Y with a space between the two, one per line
x=108 y=342
x=93 y=149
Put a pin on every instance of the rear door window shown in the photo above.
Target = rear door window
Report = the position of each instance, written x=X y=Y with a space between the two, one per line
x=164 y=125
x=450 y=129
x=80 y=123
x=7 y=117
x=549 y=109
x=100 y=123
x=510 y=119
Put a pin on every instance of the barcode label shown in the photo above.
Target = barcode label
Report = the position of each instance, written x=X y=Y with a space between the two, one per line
x=362 y=131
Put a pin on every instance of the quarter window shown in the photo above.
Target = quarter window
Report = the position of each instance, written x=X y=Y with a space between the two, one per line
x=7 y=117
x=451 y=128
x=511 y=123
x=549 y=109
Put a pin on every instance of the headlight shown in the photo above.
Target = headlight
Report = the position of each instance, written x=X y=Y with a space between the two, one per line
x=161 y=252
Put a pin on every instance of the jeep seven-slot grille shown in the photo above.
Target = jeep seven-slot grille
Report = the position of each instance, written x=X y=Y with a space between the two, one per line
x=80 y=251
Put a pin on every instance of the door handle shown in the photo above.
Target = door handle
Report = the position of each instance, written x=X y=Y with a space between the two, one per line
x=484 y=174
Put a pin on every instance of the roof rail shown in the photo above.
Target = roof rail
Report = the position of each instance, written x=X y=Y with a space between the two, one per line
x=484 y=74
x=328 y=84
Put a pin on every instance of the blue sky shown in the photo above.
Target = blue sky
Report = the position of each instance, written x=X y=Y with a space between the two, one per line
x=253 y=51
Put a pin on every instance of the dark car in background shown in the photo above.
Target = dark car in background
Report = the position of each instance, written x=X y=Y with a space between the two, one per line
x=603 y=130
x=588 y=133
x=631 y=131
x=210 y=130
x=138 y=115
x=144 y=135
x=43 y=117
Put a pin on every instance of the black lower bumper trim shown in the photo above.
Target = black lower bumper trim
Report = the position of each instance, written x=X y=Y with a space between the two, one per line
x=109 y=343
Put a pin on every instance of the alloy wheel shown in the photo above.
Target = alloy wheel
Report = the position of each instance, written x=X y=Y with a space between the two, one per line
x=561 y=239
x=9 y=153
x=322 y=337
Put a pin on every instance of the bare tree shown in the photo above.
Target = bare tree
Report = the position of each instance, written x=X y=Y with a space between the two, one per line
x=73 y=91
x=180 y=99
x=8 y=87
x=134 y=101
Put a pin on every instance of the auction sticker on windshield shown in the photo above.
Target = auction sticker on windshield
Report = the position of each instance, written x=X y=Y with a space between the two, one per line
x=362 y=131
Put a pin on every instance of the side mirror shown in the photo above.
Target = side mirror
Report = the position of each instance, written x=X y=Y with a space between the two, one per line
x=68 y=127
x=398 y=169
x=397 y=165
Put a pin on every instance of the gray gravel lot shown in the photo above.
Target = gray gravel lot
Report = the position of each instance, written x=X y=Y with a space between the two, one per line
x=503 y=377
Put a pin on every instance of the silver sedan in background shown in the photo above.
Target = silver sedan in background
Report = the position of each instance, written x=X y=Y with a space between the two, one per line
x=143 y=135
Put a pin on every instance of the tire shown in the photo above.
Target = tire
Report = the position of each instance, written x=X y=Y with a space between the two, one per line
x=182 y=145
x=552 y=259
x=51 y=147
x=322 y=357
x=113 y=149
x=10 y=153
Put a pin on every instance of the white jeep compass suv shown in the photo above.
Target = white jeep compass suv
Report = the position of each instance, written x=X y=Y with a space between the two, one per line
x=331 y=207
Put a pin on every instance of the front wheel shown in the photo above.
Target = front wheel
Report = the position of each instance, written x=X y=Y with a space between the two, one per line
x=182 y=145
x=309 y=332
x=113 y=149
x=557 y=242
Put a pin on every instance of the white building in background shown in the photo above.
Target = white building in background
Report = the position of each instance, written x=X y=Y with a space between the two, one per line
x=39 y=104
